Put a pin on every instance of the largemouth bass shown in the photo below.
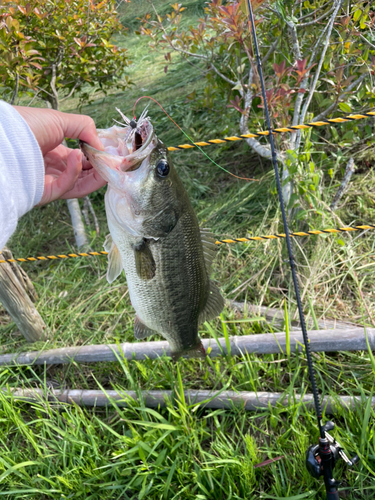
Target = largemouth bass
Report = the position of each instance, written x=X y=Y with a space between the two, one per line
x=155 y=237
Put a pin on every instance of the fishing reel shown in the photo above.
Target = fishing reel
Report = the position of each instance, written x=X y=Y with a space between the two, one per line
x=322 y=458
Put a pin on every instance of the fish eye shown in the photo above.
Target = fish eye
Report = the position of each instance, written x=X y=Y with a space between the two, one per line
x=162 y=168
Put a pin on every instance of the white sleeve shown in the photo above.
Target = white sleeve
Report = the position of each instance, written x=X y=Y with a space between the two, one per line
x=21 y=170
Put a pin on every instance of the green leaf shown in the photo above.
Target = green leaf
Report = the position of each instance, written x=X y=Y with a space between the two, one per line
x=308 y=494
x=15 y=468
x=280 y=6
x=155 y=425
x=238 y=86
x=357 y=14
x=344 y=106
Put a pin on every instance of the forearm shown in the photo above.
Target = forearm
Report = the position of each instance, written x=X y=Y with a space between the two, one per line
x=21 y=170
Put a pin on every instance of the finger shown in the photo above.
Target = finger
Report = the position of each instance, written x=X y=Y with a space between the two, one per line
x=86 y=165
x=56 y=186
x=81 y=127
x=87 y=182
x=57 y=158
x=50 y=127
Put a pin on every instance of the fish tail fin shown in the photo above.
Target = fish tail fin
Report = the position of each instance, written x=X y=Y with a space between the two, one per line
x=197 y=351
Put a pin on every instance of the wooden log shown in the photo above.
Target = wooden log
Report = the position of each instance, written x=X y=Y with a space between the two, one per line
x=320 y=341
x=250 y=401
x=17 y=303
x=277 y=317
x=20 y=274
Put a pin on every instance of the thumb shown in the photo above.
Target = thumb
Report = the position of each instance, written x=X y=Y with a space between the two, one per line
x=58 y=187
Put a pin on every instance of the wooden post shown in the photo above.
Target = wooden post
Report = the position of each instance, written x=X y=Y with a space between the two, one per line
x=356 y=339
x=277 y=317
x=250 y=401
x=14 y=288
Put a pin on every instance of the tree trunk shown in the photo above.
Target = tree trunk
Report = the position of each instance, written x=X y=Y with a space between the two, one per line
x=349 y=171
x=73 y=204
x=77 y=223
x=14 y=288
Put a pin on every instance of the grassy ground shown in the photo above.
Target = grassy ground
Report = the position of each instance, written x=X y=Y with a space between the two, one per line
x=183 y=451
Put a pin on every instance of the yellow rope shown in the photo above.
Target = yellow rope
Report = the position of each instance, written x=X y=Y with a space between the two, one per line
x=313 y=232
x=293 y=128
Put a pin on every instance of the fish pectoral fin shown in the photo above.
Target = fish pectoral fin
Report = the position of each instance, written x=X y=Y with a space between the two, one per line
x=114 y=260
x=108 y=243
x=214 y=305
x=141 y=331
x=144 y=261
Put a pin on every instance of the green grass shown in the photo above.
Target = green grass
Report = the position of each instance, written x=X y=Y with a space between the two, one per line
x=51 y=451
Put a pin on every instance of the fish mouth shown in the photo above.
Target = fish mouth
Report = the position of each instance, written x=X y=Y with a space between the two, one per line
x=141 y=138
x=136 y=166
x=125 y=148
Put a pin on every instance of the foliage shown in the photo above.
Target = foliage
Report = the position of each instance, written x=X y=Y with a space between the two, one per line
x=318 y=57
x=60 y=47
x=222 y=38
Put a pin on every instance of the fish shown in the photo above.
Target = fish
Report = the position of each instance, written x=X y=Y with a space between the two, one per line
x=155 y=237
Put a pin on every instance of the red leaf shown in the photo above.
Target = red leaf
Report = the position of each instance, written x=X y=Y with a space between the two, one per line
x=78 y=41
x=236 y=104
x=37 y=65
x=279 y=69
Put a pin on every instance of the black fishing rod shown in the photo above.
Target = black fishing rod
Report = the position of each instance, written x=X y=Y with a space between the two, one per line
x=320 y=458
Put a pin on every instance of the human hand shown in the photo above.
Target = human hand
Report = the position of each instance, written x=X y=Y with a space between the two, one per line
x=67 y=172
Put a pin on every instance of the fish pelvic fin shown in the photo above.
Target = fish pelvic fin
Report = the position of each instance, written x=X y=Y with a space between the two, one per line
x=114 y=259
x=195 y=352
x=214 y=304
x=141 y=331
x=144 y=261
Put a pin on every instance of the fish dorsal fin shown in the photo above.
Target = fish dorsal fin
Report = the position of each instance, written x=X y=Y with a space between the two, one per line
x=214 y=305
x=215 y=301
x=209 y=248
x=114 y=259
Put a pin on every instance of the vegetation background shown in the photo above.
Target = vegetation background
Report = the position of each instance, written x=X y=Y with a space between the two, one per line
x=50 y=452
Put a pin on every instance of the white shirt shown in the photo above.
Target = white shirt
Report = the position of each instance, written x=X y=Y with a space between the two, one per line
x=21 y=170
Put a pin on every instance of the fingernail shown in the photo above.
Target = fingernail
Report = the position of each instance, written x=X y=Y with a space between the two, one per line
x=99 y=144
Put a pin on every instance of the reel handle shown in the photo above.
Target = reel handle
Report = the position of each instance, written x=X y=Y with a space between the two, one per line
x=354 y=460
